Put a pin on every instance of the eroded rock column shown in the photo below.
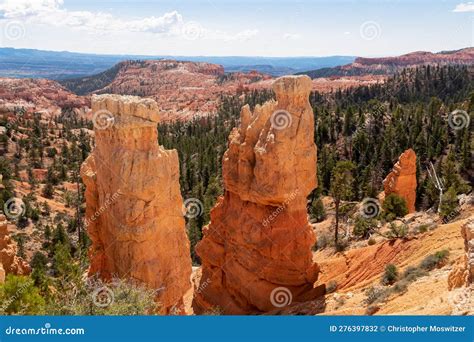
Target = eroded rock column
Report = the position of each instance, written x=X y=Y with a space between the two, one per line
x=134 y=206
x=256 y=251
x=10 y=263
x=402 y=179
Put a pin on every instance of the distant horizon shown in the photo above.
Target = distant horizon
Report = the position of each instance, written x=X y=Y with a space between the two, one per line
x=230 y=56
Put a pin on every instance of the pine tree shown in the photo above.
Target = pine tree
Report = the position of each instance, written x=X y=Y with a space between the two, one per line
x=341 y=188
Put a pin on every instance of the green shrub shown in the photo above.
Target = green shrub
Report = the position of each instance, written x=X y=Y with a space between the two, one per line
x=316 y=211
x=423 y=228
x=390 y=275
x=449 y=203
x=400 y=286
x=363 y=227
x=394 y=206
x=342 y=245
x=19 y=296
x=375 y=294
x=397 y=231
x=83 y=298
x=412 y=273
x=371 y=242
x=434 y=260
x=323 y=241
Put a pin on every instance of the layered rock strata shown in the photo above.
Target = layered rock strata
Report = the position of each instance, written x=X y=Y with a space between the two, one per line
x=256 y=251
x=134 y=206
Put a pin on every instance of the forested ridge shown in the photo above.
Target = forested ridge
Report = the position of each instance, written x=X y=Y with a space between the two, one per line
x=367 y=125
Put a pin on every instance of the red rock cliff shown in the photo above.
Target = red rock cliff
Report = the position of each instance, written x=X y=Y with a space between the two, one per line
x=256 y=251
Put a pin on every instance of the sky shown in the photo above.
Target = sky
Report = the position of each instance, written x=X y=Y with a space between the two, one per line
x=269 y=28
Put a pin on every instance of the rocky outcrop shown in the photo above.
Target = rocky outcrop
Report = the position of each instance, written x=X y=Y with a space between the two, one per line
x=463 y=271
x=134 y=206
x=256 y=251
x=36 y=95
x=402 y=179
x=10 y=263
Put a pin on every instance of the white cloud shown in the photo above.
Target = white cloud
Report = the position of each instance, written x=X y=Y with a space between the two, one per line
x=291 y=36
x=464 y=7
x=243 y=35
x=52 y=13
x=17 y=9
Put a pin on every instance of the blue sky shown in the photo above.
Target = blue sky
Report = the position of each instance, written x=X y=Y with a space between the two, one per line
x=238 y=28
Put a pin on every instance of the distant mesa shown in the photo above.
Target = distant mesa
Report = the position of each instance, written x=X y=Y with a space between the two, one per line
x=390 y=65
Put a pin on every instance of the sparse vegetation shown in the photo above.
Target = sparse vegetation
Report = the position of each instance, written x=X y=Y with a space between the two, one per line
x=399 y=284
x=397 y=230
x=364 y=228
x=390 y=275
x=394 y=206
x=435 y=260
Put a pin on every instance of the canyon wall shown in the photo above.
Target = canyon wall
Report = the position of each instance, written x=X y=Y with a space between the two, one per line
x=256 y=251
x=134 y=205
x=10 y=263
x=402 y=179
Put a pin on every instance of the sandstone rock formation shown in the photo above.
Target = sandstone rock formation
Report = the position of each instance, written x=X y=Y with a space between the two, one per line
x=181 y=89
x=134 y=206
x=36 y=95
x=256 y=251
x=402 y=179
x=463 y=272
x=9 y=261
